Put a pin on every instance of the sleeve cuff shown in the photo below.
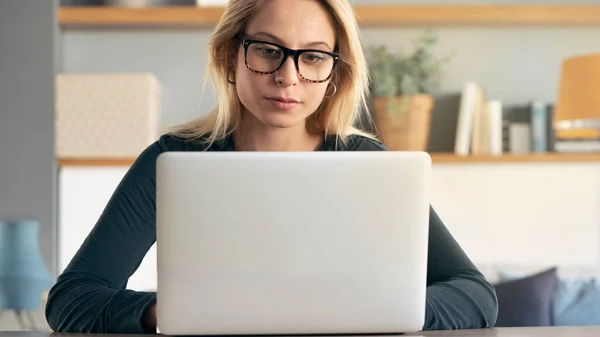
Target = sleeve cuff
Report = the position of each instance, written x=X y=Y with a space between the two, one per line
x=126 y=311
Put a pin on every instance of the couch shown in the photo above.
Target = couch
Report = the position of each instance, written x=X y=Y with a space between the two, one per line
x=546 y=295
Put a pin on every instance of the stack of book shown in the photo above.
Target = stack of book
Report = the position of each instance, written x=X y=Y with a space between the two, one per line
x=467 y=123
x=489 y=127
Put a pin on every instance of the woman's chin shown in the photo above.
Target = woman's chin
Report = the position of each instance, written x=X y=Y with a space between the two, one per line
x=282 y=119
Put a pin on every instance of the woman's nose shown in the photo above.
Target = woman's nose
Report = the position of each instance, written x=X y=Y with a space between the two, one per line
x=287 y=74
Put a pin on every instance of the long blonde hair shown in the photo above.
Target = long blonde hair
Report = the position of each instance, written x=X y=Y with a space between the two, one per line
x=337 y=115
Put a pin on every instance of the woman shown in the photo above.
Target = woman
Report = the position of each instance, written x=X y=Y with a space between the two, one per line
x=305 y=98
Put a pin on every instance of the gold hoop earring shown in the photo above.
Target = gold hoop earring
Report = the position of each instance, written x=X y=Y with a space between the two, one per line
x=229 y=72
x=334 y=90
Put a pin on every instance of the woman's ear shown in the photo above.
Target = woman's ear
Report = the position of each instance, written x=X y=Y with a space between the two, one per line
x=233 y=51
x=232 y=60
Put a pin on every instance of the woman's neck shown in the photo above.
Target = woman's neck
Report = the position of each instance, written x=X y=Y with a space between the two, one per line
x=252 y=135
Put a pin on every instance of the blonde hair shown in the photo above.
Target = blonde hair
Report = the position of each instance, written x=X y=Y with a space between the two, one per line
x=337 y=115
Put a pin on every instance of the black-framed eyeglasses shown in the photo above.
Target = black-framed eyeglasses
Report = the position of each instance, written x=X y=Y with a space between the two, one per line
x=312 y=65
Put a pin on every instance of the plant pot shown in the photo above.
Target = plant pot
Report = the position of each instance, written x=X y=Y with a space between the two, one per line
x=405 y=130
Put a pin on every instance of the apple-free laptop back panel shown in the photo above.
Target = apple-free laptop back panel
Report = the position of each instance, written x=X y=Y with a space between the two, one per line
x=292 y=243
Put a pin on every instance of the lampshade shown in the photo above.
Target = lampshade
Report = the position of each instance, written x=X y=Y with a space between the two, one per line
x=23 y=274
x=577 y=110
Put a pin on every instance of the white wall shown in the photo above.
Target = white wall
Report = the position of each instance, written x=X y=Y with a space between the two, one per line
x=518 y=213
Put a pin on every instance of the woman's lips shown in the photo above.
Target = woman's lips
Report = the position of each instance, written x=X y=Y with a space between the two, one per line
x=282 y=103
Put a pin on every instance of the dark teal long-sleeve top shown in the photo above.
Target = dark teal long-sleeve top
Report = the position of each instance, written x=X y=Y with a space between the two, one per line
x=91 y=295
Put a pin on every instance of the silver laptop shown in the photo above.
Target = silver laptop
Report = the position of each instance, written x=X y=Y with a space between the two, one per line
x=253 y=243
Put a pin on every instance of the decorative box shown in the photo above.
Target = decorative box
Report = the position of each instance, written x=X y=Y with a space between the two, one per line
x=106 y=115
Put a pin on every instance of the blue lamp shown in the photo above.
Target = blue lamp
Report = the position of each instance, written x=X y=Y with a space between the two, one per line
x=23 y=274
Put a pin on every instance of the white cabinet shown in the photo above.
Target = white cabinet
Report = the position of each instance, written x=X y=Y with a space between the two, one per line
x=522 y=213
x=83 y=194
x=512 y=213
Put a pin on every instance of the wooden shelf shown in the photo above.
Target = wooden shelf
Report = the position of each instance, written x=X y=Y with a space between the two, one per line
x=174 y=17
x=450 y=158
x=90 y=162
x=554 y=15
x=437 y=158
x=398 y=15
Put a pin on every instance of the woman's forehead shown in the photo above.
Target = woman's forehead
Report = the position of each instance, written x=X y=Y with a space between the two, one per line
x=293 y=23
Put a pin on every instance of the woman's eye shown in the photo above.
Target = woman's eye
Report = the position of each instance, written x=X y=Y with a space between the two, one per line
x=269 y=51
x=312 y=57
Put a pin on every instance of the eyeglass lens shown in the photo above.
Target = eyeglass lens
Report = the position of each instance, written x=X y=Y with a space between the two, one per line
x=312 y=65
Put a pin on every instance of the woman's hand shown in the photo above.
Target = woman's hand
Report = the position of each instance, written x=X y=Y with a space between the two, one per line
x=149 y=320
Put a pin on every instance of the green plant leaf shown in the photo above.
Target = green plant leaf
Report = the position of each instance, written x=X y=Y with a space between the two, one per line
x=402 y=73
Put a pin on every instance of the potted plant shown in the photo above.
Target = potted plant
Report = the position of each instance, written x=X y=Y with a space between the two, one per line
x=401 y=86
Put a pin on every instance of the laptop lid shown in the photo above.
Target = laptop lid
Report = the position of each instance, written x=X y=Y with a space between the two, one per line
x=292 y=242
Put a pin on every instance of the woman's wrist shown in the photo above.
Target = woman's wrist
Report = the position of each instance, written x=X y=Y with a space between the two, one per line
x=149 y=319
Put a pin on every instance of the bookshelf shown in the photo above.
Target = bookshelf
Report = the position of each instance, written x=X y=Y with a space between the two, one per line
x=368 y=15
x=437 y=158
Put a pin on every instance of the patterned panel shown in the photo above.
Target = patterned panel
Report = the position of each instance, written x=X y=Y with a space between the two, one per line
x=106 y=115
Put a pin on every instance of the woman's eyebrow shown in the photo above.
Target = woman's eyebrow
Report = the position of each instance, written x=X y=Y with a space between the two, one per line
x=280 y=41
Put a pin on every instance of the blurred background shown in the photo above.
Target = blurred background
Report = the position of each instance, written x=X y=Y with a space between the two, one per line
x=504 y=95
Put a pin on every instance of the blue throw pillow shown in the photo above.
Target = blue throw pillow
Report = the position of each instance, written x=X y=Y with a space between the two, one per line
x=577 y=302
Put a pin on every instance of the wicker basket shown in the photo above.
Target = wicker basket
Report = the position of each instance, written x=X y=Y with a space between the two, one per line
x=405 y=131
